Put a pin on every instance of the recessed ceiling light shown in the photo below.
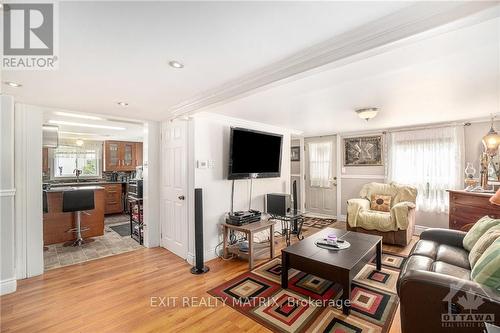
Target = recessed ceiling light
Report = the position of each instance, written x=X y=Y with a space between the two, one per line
x=175 y=64
x=69 y=123
x=124 y=104
x=79 y=142
x=13 y=84
x=74 y=115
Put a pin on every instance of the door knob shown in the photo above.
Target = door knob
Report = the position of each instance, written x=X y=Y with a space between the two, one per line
x=181 y=197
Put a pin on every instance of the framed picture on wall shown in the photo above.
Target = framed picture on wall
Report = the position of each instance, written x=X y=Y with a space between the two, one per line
x=363 y=151
x=295 y=154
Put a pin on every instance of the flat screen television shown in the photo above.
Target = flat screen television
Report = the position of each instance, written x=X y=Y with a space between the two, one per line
x=254 y=154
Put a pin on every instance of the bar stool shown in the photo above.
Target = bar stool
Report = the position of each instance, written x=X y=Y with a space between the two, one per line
x=78 y=201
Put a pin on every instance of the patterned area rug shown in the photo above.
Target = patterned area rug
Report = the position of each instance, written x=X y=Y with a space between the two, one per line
x=316 y=222
x=309 y=302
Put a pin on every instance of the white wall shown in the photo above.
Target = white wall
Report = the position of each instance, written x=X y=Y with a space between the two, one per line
x=353 y=178
x=7 y=196
x=151 y=174
x=211 y=142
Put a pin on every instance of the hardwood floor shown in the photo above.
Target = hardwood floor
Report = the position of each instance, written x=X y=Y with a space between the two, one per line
x=114 y=294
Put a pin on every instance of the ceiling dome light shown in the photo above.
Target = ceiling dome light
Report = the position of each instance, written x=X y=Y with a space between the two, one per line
x=79 y=142
x=491 y=141
x=175 y=64
x=367 y=113
x=124 y=104
x=13 y=84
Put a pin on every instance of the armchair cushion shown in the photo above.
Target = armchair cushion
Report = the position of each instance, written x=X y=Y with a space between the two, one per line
x=381 y=203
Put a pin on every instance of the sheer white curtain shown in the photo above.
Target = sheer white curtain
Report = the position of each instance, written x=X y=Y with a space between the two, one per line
x=320 y=163
x=429 y=159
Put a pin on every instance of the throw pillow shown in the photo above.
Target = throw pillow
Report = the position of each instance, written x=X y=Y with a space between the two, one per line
x=482 y=244
x=382 y=203
x=487 y=269
x=477 y=230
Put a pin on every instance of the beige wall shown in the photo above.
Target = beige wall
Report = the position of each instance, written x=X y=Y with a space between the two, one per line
x=350 y=186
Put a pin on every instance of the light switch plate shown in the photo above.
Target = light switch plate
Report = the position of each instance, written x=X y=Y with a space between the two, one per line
x=202 y=164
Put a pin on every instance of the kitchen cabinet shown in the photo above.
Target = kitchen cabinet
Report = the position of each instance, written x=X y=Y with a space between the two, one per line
x=122 y=155
x=45 y=160
x=113 y=199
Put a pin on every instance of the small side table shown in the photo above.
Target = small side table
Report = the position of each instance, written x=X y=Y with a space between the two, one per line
x=250 y=230
x=291 y=223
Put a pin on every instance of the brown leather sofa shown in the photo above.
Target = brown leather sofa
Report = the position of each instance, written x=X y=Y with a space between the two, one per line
x=436 y=291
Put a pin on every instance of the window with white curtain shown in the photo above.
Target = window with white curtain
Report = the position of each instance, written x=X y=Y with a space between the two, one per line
x=320 y=163
x=69 y=158
x=429 y=159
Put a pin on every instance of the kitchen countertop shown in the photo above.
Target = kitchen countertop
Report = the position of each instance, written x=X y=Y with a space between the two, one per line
x=87 y=183
x=73 y=188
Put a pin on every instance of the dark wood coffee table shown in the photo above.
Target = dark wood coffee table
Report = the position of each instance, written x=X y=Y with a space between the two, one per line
x=339 y=266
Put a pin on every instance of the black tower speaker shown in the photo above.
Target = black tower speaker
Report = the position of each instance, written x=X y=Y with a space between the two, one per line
x=294 y=195
x=199 y=268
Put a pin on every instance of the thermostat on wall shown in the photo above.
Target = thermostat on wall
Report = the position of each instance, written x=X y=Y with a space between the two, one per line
x=202 y=164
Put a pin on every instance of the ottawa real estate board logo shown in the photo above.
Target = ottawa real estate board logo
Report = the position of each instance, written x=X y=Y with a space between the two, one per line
x=30 y=36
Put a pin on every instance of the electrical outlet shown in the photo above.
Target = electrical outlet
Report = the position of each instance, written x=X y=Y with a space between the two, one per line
x=202 y=164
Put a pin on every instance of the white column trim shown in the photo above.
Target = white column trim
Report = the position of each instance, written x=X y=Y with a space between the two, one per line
x=8 y=192
x=339 y=174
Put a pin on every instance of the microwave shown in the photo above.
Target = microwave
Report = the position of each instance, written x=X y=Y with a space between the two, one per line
x=135 y=189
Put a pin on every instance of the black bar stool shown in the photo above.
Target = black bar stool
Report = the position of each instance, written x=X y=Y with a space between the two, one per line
x=78 y=201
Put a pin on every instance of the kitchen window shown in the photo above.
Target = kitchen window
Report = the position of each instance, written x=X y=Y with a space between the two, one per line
x=67 y=159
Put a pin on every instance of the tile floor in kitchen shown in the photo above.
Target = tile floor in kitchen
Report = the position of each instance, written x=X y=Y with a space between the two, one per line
x=109 y=244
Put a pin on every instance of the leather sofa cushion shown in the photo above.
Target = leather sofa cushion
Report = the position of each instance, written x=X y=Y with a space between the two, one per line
x=453 y=256
x=452 y=270
x=426 y=248
x=417 y=262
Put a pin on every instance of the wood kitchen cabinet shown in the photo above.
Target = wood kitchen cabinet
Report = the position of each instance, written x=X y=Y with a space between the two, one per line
x=113 y=199
x=122 y=155
x=45 y=160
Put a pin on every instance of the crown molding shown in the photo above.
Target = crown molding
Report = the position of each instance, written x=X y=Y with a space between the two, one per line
x=387 y=31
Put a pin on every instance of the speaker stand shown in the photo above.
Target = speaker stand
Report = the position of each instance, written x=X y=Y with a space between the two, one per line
x=198 y=271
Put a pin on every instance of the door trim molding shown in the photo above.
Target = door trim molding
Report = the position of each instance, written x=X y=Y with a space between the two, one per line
x=362 y=176
x=11 y=192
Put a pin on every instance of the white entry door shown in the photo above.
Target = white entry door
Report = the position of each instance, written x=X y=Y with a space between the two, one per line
x=321 y=182
x=174 y=207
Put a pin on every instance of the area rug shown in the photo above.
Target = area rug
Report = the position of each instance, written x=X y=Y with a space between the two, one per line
x=121 y=229
x=316 y=222
x=308 y=305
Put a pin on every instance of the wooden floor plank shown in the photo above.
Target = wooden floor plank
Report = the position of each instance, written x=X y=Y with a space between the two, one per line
x=113 y=294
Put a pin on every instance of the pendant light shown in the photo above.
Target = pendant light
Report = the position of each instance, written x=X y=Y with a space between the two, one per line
x=491 y=141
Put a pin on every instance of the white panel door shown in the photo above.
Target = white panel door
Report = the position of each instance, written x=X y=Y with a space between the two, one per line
x=173 y=207
x=321 y=200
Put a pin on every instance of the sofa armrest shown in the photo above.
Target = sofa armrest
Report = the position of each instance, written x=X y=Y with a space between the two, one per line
x=444 y=236
x=354 y=206
x=427 y=297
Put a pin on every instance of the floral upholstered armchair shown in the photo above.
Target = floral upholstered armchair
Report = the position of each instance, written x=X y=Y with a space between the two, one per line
x=387 y=210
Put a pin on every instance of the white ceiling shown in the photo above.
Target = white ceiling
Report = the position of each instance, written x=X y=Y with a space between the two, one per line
x=451 y=76
x=118 y=51
x=130 y=130
x=112 y=52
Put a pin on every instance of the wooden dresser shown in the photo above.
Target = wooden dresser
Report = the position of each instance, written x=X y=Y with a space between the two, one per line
x=468 y=207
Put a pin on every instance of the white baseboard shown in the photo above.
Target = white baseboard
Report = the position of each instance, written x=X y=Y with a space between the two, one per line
x=419 y=229
x=8 y=286
x=342 y=218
